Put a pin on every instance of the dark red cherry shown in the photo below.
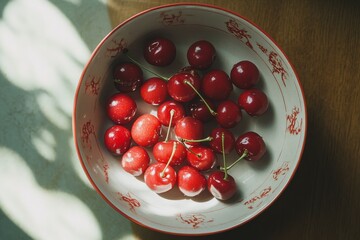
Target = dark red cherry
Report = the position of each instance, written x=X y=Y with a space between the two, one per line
x=216 y=142
x=127 y=76
x=163 y=112
x=244 y=74
x=216 y=85
x=117 y=139
x=179 y=89
x=154 y=91
x=189 y=128
x=121 y=108
x=160 y=178
x=190 y=181
x=163 y=150
x=202 y=158
x=220 y=187
x=253 y=143
x=253 y=101
x=199 y=110
x=135 y=161
x=228 y=114
x=160 y=51
x=146 y=130
x=201 y=54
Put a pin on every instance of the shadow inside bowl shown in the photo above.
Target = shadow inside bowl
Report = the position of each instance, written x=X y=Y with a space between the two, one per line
x=263 y=163
x=268 y=118
x=176 y=194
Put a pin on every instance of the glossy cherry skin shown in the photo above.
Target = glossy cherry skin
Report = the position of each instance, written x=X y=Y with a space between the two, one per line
x=201 y=54
x=228 y=114
x=154 y=91
x=163 y=112
x=244 y=74
x=202 y=158
x=121 y=108
x=253 y=143
x=216 y=142
x=117 y=139
x=135 y=161
x=253 y=101
x=190 y=181
x=158 y=183
x=127 y=76
x=216 y=85
x=162 y=152
x=146 y=130
x=179 y=90
x=160 y=52
x=189 y=128
x=220 y=188
x=200 y=111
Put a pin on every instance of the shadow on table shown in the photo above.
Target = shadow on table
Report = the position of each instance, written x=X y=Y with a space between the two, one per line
x=44 y=192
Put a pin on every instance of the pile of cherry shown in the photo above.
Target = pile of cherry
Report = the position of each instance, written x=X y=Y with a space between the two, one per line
x=194 y=95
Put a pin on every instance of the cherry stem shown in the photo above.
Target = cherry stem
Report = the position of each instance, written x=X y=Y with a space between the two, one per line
x=189 y=149
x=207 y=139
x=170 y=159
x=143 y=67
x=172 y=112
x=223 y=155
x=197 y=92
x=244 y=155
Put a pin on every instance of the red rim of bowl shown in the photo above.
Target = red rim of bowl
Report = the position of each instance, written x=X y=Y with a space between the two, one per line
x=79 y=85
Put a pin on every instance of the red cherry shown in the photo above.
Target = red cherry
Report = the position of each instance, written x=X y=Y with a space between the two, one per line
x=201 y=54
x=162 y=152
x=135 y=161
x=228 y=114
x=216 y=85
x=190 y=181
x=127 y=76
x=220 y=187
x=146 y=130
x=159 y=177
x=117 y=139
x=253 y=143
x=189 y=128
x=201 y=158
x=154 y=91
x=216 y=142
x=121 y=108
x=199 y=110
x=253 y=101
x=244 y=74
x=179 y=89
x=160 y=52
x=163 y=112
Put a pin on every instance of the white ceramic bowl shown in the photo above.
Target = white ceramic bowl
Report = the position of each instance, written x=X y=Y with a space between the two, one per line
x=283 y=127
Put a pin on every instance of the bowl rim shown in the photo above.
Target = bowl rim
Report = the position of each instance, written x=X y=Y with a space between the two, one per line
x=201 y=5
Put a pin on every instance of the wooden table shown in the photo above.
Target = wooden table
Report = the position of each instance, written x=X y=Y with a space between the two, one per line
x=322 y=39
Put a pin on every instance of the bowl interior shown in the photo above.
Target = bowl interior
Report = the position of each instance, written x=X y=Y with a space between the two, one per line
x=283 y=127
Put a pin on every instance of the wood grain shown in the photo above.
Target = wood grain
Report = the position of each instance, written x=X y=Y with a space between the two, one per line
x=322 y=39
